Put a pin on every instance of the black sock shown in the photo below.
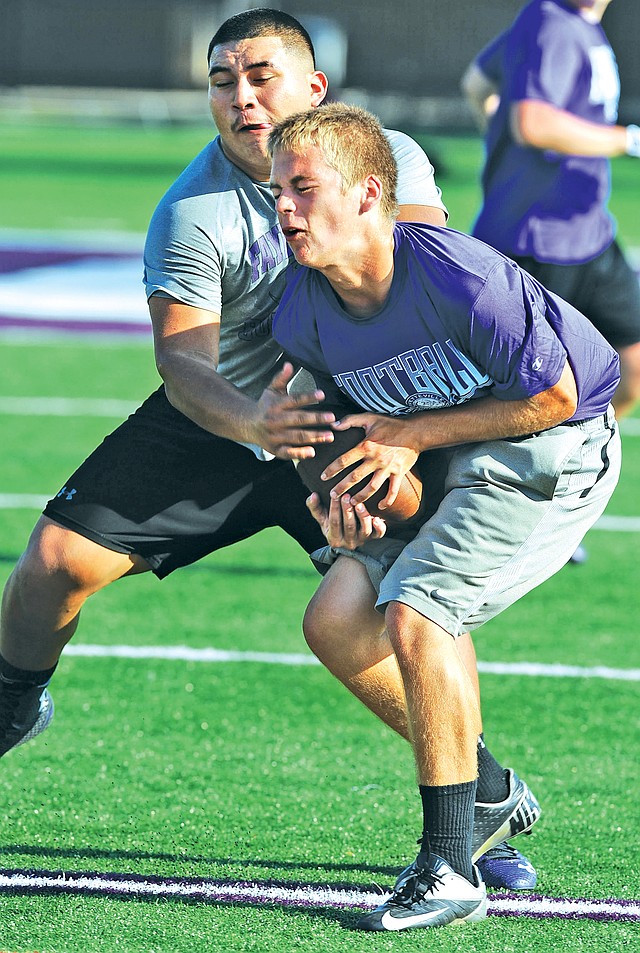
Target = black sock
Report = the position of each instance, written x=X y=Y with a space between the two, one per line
x=9 y=673
x=448 y=823
x=493 y=779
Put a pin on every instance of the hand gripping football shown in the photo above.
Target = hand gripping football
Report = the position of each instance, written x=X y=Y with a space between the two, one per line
x=406 y=507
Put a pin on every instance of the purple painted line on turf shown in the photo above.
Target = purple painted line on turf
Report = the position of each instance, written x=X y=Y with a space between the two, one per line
x=294 y=894
x=17 y=259
x=78 y=326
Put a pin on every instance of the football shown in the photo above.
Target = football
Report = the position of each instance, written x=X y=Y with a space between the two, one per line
x=406 y=507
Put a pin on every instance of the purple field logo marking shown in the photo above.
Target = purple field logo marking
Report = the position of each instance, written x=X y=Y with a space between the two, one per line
x=56 y=284
x=77 y=283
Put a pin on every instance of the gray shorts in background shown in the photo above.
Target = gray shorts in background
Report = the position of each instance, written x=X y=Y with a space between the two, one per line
x=512 y=514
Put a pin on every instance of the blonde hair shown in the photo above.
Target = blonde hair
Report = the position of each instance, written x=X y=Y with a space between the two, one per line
x=352 y=141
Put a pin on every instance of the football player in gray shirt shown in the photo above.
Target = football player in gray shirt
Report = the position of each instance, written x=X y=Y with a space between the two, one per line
x=207 y=459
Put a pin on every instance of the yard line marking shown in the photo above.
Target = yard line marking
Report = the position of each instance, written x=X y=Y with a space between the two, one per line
x=112 y=407
x=309 y=896
x=183 y=653
x=536 y=670
x=630 y=426
x=619 y=524
x=36 y=501
x=23 y=501
x=66 y=407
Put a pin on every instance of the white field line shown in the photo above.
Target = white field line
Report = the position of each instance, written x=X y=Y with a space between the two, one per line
x=66 y=407
x=37 y=501
x=184 y=653
x=23 y=501
x=301 y=895
x=630 y=427
x=108 y=407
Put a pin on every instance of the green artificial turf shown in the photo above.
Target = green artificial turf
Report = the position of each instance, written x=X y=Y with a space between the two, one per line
x=255 y=772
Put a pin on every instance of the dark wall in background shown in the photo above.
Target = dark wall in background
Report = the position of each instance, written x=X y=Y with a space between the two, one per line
x=412 y=47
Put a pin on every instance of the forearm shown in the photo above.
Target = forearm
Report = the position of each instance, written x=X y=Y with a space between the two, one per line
x=484 y=419
x=543 y=126
x=187 y=345
x=195 y=388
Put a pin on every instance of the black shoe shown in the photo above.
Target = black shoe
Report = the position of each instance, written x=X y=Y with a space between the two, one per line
x=494 y=823
x=24 y=713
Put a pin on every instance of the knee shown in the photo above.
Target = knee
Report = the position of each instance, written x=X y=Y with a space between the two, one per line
x=321 y=626
x=59 y=558
x=414 y=636
x=400 y=628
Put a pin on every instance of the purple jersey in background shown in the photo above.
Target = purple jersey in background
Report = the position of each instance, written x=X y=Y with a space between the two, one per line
x=538 y=203
x=461 y=321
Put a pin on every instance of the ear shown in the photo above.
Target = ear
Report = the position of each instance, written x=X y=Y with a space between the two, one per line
x=371 y=193
x=319 y=87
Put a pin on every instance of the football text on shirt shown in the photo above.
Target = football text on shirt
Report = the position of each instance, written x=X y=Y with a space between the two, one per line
x=418 y=379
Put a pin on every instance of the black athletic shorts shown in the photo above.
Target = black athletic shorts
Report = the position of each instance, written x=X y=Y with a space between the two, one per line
x=605 y=289
x=166 y=489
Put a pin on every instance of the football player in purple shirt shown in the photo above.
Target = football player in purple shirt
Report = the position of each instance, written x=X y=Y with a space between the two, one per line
x=448 y=347
x=553 y=77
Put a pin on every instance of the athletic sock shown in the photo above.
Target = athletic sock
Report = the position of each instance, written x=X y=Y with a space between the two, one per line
x=493 y=779
x=448 y=823
x=22 y=676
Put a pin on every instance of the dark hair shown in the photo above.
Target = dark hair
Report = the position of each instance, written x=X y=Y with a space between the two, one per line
x=263 y=22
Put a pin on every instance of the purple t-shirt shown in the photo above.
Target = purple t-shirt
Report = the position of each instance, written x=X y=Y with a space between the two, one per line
x=461 y=321
x=540 y=203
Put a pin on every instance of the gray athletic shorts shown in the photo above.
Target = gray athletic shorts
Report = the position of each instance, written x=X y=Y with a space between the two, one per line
x=512 y=514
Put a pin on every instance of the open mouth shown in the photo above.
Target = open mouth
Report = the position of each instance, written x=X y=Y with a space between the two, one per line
x=291 y=232
x=254 y=127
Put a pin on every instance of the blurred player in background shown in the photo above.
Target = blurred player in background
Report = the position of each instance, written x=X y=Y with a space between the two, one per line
x=547 y=91
x=459 y=348
x=193 y=469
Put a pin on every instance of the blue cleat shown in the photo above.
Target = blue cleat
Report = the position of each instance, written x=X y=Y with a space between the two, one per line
x=506 y=868
x=579 y=557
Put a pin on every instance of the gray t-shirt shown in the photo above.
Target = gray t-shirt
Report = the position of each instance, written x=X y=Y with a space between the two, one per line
x=214 y=243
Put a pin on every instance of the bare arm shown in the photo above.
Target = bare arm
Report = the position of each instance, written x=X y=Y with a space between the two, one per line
x=422 y=213
x=186 y=342
x=392 y=444
x=543 y=126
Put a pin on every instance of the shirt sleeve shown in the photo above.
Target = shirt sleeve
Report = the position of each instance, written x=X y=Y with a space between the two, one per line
x=489 y=60
x=542 y=61
x=180 y=261
x=416 y=177
x=510 y=337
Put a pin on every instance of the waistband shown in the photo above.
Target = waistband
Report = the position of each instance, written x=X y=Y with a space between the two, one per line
x=590 y=424
x=607 y=419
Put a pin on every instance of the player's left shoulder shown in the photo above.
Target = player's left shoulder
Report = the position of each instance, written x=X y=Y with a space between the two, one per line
x=447 y=262
x=406 y=151
x=423 y=238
